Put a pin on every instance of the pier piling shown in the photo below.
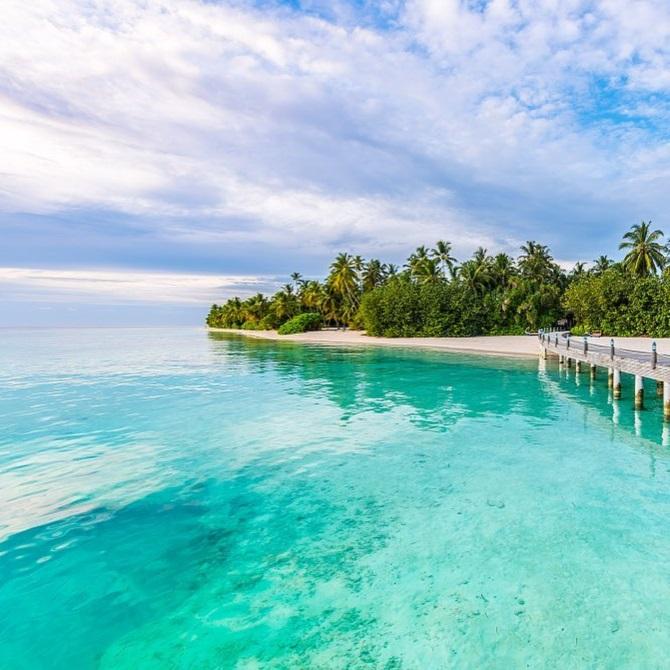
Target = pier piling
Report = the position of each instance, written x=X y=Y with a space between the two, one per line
x=616 y=383
x=639 y=392
x=640 y=365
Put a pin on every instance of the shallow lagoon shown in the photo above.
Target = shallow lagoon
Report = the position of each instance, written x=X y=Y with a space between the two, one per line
x=173 y=499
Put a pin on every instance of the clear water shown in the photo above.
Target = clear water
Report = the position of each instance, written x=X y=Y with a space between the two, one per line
x=172 y=499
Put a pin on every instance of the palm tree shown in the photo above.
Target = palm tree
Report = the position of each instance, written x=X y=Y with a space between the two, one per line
x=284 y=303
x=373 y=274
x=233 y=312
x=428 y=271
x=480 y=256
x=312 y=295
x=330 y=304
x=255 y=308
x=601 y=264
x=578 y=271
x=474 y=275
x=343 y=278
x=442 y=253
x=416 y=258
x=646 y=253
x=502 y=270
x=537 y=264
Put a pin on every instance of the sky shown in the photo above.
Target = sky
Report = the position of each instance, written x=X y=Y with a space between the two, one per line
x=156 y=157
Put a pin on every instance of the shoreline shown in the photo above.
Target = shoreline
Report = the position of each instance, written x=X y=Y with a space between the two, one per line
x=514 y=346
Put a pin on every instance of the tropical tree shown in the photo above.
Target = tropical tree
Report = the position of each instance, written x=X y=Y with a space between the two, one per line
x=330 y=303
x=312 y=296
x=503 y=270
x=284 y=303
x=255 y=308
x=419 y=255
x=373 y=274
x=428 y=271
x=344 y=279
x=485 y=295
x=442 y=253
x=578 y=271
x=536 y=263
x=474 y=276
x=601 y=264
x=646 y=253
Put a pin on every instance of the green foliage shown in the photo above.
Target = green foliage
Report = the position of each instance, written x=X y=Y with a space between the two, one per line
x=578 y=331
x=403 y=308
x=301 y=324
x=435 y=295
x=646 y=253
x=617 y=302
x=269 y=322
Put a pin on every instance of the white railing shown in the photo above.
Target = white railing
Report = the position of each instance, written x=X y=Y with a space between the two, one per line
x=562 y=341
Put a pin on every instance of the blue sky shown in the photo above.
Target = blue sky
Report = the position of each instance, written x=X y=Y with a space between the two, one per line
x=156 y=157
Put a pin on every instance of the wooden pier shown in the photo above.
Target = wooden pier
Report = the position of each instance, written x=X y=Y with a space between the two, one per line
x=642 y=365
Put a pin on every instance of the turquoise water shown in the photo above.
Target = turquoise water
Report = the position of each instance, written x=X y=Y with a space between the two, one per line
x=173 y=499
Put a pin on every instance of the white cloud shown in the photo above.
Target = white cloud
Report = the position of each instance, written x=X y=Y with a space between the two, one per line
x=469 y=121
x=124 y=286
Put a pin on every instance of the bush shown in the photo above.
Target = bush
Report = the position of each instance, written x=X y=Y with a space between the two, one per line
x=403 y=308
x=301 y=324
x=619 y=303
x=249 y=325
x=578 y=331
x=269 y=322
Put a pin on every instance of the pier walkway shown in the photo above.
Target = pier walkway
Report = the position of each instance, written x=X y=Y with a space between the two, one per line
x=642 y=365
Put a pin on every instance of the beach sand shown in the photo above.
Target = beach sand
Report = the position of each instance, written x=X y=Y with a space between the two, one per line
x=497 y=345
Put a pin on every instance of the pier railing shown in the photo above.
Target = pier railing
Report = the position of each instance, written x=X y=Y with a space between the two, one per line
x=649 y=364
x=575 y=344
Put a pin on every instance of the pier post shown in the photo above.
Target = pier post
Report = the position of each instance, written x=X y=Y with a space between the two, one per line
x=659 y=389
x=666 y=401
x=593 y=371
x=568 y=361
x=610 y=378
x=578 y=366
x=616 y=383
x=639 y=392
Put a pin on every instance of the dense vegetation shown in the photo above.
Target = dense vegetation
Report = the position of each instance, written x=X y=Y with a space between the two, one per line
x=435 y=295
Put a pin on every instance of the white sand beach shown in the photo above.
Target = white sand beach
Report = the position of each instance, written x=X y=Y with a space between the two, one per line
x=497 y=345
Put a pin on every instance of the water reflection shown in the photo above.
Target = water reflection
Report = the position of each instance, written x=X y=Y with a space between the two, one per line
x=645 y=426
x=440 y=388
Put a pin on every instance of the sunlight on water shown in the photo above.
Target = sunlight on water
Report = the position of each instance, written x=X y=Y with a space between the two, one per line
x=172 y=499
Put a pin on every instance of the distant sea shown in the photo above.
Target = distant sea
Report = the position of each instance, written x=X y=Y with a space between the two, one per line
x=171 y=498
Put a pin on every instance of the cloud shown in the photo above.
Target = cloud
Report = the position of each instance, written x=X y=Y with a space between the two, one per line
x=115 y=287
x=219 y=127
